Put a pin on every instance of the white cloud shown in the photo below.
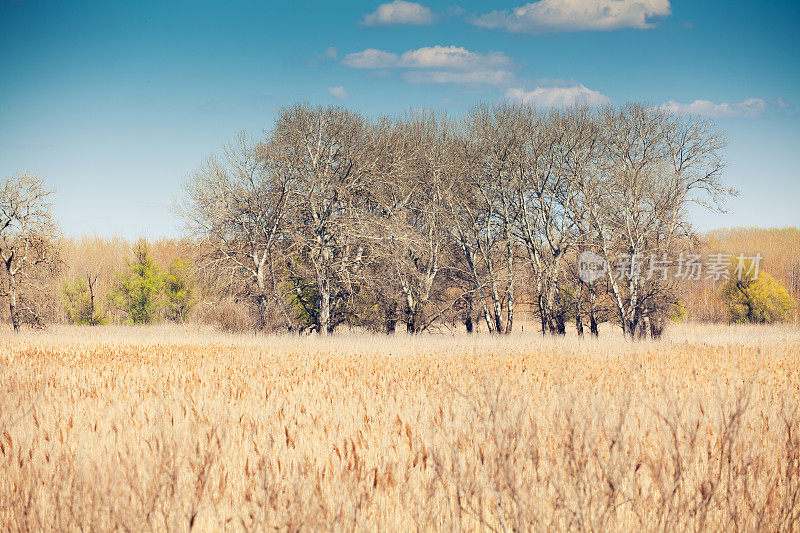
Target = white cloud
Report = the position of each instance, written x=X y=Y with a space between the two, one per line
x=750 y=108
x=558 y=96
x=448 y=57
x=338 y=92
x=438 y=64
x=399 y=12
x=546 y=16
x=371 y=58
x=456 y=57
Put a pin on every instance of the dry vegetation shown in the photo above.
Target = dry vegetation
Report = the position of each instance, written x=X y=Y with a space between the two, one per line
x=780 y=252
x=169 y=428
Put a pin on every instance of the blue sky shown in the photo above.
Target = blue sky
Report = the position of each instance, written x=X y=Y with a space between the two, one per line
x=113 y=103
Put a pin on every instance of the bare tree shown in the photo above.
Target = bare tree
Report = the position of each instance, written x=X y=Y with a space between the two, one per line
x=27 y=234
x=577 y=155
x=467 y=221
x=560 y=152
x=329 y=157
x=656 y=164
x=482 y=207
x=498 y=136
x=413 y=216
x=236 y=206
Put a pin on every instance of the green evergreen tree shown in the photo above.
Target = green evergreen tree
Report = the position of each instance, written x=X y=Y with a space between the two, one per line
x=178 y=284
x=138 y=290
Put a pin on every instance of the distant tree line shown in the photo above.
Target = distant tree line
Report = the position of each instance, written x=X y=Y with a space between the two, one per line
x=332 y=218
x=421 y=222
x=92 y=281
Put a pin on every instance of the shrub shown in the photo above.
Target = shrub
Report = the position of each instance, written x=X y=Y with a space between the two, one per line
x=230 y=316
x=79 y=304
x=756 y=298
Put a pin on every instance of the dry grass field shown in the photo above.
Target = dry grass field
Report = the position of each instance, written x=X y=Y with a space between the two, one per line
x=177 y=428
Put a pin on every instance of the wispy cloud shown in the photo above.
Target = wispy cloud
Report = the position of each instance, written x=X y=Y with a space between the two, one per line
x=558 y=96
x=749 y=108
x=397 y=13
x=330 y=55
x=338 y=92
x=438 y=64
x=546 y=16
x=371 y=58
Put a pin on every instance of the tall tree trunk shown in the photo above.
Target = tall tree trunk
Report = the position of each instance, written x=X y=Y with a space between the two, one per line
x=411 y=320
x=510 y=290
x=593 y=327
x=544 y=314
x=657 y=322
x=537 y=271
x=390 y=318
x=12 y=302
x=552 y=314
x=559 y=325
x=412 y=306
x=578 y=313
x=615 y=290
x=632 y=324
x=468 y=315
x=12 y=292
x=324 y=306
x=476 y=281
x=262 y=299
x=551 y=291
x=643 y=327
x=497 y=307
x=634 y=307
x=90 y=282
x=498 y=314
x=510 y=311
x=486 y=317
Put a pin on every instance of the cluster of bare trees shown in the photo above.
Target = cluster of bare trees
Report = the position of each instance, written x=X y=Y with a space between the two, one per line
x=332 y=218
x=27 y=233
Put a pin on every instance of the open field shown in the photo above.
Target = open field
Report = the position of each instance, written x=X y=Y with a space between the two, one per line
x=169 y=428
